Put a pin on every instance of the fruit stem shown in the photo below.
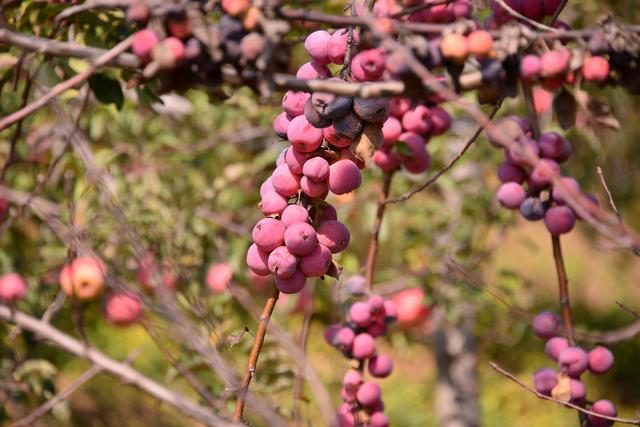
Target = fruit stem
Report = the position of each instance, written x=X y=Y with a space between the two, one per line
x=267 y=310
x=563 y=286
x=531 y=110
x=373 y=243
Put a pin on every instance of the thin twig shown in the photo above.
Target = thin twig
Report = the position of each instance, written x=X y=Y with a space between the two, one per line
x=513 y=378
x=249 y=373
x=304 y=338
x=370 y=263
x=529 y=21
x=66 y=85
x=557 y=13
x=452 y=162
x=625 y=308
x=611 y=202
x=121 y=370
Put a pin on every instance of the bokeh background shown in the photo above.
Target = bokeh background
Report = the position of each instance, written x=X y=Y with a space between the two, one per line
x=187 y=173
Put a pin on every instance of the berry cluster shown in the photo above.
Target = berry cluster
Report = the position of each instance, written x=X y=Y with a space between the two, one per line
x=440 y=13
x=355 y=338
x=535 y=10
x=182 y=60
x=541 y=199
x=573 y=361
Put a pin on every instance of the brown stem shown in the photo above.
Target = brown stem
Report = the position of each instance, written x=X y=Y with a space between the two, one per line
x=373 y=243
x=563 y=287
x=267 y=310
x=531 y=110
x=300 y=376
x=557 y=13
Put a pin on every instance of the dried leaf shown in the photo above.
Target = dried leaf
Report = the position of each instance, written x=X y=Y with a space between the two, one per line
x=565 y=107
x=368 y=142
x=234 y=339
x=334 y=270
x=602 y=113
x=562 y=390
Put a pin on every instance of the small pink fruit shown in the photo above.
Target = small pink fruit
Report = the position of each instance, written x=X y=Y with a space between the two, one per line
x=511 y=195
x=600 y=360
x=380 y=366
x=333 y=235
x=546 y=324
x=559 y=220
x=268 y=234
x=595 y=69
x=12 y=287
x=344 y=177
x=479 y=43
x=219 y=276
x=316 y=45
x=143 y=43
x=83 y=278
x=602 y=407
x=410 y=306
x=123 y=309
x=544 y=380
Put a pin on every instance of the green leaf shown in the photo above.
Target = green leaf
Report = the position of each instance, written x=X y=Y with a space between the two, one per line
x=107 y=90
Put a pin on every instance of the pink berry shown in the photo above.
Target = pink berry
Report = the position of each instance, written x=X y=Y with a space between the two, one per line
x=574 y=361
x=386 y=160
x=595 y=69
x=123 y=309
x=329 y=134
x=555 y=62
x=521 y=153
x=541 y=174
x=360 y=314
x=292 y=284
x=314 y=189
x=368 y=65
x=330 y=332
x=440 y=120
x=312 y=70
x=554 y=146
x=344 y=177
x=368 y=393
x=399 y=106
x=417 y=120
x=544 y=380
x=559 y=220
x=143 y=43
x=600 y=360
x=390 y=311
x=316 y=45
x=555 y=346
x=293 y=214
x=378 y=419
x=268 y=234
x=345 y=416
x=273 y=203
x=282 y=263
x=364 y=346
x=219 y=276
x=284 y=181
x=12 y=287
x=316 y=169
x=578 y=390
x=511 y=195
x=295 y=160
x=559 y=194
x=380 y=366
x=337 y=46
x=546 y=324
x=352 y=380
x=377 y=304
x=323 y=212
x=293 y=102
x=317 y=262
x=334 y=235
x=602 y=407
x=281 y=124
x=344 y=338
x=508 y=172
x=257 y=260
x=420 y=162
x=530 y=67
x=303 y=135
x=391 y=131
x=300 y=238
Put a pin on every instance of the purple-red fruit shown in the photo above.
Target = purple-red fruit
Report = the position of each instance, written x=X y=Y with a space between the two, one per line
x=303 y=135
x=600 y=360
x=144 y=41
x=300 y=238
x=554 y=146
x=348 y=127
x=281 y=124
x=312 y=70
x=368 y=65
x=292 y=284
x=360 y=314
x=316 y=169
x=344 y=338
x=317 y=262
x=509 y=172
x=344 y=177
x=12 y=287
x=380 y=366
x=315 y=118
x=574 y=361
x=532 y=209
x=555 y=346
x=284 y=181
x=334 y=235
x=368 y=393
x=316 y=45
x=595 y=69
x=602 y=407
x=293 y=214
x=544 y=380
x=364 y=346
x=293 y=102
x=257 y=260
x=372 y=110
x=337 y=46
x=268 y=234
x=273 y=203
x=530 y=67
x=282 y=263
x=559 y=220
x=546 y=324
x=511 y=195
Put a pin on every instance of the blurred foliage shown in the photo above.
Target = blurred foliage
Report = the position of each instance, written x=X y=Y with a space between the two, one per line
x=187 y=181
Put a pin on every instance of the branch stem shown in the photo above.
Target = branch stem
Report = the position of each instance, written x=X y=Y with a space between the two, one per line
x=375 y=234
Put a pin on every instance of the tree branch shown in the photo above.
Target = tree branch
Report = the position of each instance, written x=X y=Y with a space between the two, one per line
x=370 y=263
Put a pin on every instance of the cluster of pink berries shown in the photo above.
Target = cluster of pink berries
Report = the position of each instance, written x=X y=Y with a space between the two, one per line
x=439 y=13
x=553 y=68
x=541 y=199
x=536 y=10
x=573 y=361
x=355 y=338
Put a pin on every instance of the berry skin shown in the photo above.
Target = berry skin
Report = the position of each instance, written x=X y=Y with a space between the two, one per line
x=479 y=43
x=532 y=209
x=293 y=214
x=333 y=235
x=337 y=46
x=399 y=106
x=351 y=381
x=139 y=12
x=123 y=309
x=257 y=260
x=378 y=419
x=273 y=203
x=317 y=262
x=550 y=6
x=219 y=276
x=312 y=70
x=314 y=117
x=143 y=43
x=292 y=284
x=282 y=263
x=602 y=407
x=330 y=106
x=546 y=324
x=511 y=195
x=559 y=220
x=595 y=69
x=293 y=102
x=391 y=131
x=574 y=361
x=330 y=332
x=519 y=153
x=12 y=287
x=440 y=120
x=532 y=9
x=281 y=124
x=509 y=172
x=372 y=110
x=295 y=160
x=314 y=189
x=555 y=62
x=386 y=160
x=368 y=65
x=555 y=346
x=578 y=390
x=316 y=45
x=83 y=278
x=235 y=7
x=554 y=146
x=344 y=177
x=303 y=135
x=360 y=314
x=407 y=307
x=364 y=346
x=284 y=181
x=343 y=339
x=300 y=239
x=417 y=120
x=316 y=169
x=530 y=67
x=544 y=380
x=540 y=176
x=368 y=394
x=329 y=134
x=348 y=127
x=600 y=360
x=454 y=48
x=380 y=366
x=560 y=195
x=268 y=234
